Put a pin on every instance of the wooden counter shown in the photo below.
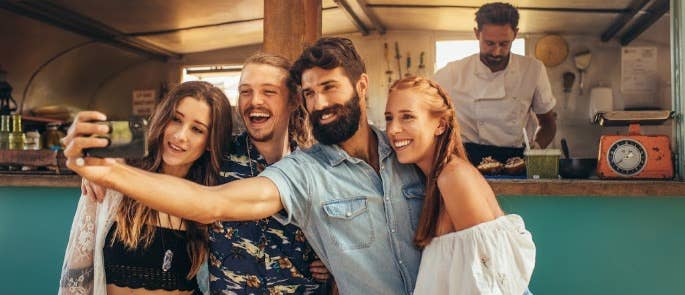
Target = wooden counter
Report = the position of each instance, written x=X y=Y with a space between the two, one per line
x=576 y=187
x=40 y=180
x=502 y=187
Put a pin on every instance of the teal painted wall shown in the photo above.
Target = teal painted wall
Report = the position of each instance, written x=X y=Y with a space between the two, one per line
x=584 y=245
x=34 y=228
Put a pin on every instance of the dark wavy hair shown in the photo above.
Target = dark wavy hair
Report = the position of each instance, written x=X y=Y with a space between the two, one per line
x=497 y=13
x=329 y=53
x=133 y=217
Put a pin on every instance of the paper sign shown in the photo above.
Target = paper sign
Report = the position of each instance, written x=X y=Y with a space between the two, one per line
x=639 y=69
x=143 y=102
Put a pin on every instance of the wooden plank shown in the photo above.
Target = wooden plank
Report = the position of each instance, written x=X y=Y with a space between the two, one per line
x=289 y=28
x=34 y=180
x=603 y=188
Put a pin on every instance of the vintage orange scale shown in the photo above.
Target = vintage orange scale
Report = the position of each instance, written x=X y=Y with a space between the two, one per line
x=634 y=156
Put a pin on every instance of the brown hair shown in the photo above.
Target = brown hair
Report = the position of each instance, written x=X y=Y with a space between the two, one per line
x=497 y=13
x=329 y=53
x=133 y=216
x=448 y=145
x=299 y=128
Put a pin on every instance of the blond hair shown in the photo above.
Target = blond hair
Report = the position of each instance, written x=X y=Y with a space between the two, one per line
x=448 y=145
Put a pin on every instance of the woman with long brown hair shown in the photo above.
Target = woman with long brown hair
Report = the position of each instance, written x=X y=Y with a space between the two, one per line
x=469 y=245
x=120 y=246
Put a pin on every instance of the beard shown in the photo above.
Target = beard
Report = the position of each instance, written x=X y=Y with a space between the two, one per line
x=345 y=125
x=492 y=61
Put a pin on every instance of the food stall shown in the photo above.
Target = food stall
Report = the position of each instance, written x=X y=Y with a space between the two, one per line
x=597 y=234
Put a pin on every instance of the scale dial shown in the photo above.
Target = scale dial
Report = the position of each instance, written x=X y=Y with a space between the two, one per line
x=627 y=157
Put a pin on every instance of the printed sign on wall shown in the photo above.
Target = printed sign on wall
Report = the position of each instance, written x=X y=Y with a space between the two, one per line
x=143 y=102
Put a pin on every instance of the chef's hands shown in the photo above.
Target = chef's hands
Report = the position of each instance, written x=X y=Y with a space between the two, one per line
x=78 y=138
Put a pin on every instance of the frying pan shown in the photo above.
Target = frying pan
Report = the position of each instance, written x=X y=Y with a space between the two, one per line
x=575 y=168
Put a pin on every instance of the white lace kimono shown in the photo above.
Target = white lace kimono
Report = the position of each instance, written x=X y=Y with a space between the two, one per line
x=83 y=271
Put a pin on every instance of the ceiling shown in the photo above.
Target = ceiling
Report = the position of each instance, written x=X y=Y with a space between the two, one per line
x=181 y=26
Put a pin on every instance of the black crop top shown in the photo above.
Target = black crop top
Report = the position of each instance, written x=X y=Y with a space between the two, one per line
x=164 y=265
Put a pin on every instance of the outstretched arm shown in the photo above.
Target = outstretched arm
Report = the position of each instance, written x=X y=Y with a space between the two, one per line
x=248 y=199
x=469 y=200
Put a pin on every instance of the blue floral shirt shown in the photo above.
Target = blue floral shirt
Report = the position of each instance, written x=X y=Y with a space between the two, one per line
x=257 y=257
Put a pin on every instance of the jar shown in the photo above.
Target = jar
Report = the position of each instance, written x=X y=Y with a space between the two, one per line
x=53 y=136
x=32 y=140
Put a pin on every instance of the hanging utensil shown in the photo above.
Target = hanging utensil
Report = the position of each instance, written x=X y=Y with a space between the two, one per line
x=568 y=79
x=422 y=67
x=386 y=55
x=407 y=74
x=582 y=60
x=399 y=61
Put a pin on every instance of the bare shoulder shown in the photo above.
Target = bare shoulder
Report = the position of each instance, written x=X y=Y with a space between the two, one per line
x=459 y=171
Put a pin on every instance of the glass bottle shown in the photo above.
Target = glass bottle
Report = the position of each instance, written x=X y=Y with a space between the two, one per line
x=17 y=138
x=4 y=132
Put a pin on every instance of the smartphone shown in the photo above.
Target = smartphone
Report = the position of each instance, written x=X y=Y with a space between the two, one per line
x=126 y=140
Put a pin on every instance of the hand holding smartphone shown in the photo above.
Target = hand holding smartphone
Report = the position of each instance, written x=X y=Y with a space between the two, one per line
x=126 y=140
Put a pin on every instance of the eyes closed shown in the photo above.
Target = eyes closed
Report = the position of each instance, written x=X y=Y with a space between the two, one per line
x=267 y=92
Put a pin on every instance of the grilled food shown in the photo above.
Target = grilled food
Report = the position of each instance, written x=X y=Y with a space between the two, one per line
x=515 y=166
x=490 y=166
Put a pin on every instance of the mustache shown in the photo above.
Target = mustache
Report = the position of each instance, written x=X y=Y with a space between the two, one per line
x=495 y=57
x=251 y=109
x=316 y=115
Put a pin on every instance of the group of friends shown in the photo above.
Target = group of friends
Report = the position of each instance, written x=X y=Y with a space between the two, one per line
x=310 y=199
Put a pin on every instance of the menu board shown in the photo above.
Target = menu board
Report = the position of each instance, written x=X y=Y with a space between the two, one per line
x=639 y=70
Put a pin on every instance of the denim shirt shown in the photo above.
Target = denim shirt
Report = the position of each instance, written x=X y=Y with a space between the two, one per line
x=360 y=223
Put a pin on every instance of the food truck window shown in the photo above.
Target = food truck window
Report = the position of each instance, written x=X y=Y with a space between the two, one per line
x=451 y=50
x=224 y=77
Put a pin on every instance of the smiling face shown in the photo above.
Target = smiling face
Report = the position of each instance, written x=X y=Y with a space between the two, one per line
x=333 y=103
x=263 y=101
x=495 y=45
x=411 y=128
x=185 y=136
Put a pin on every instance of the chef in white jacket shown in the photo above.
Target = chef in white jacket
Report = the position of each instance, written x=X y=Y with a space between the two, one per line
x=496 y=92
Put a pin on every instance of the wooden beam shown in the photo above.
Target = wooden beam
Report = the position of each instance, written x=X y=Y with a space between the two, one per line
x=372 y=16
x=361 y=27
x=288 y=29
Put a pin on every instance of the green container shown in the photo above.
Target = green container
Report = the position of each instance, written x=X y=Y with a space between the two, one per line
x=542 y=163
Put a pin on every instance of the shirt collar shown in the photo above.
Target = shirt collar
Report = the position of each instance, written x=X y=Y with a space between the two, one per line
x=336 y=155
x=482 y=70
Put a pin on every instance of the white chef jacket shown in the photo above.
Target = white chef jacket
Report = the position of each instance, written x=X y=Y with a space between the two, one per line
x=493 y=108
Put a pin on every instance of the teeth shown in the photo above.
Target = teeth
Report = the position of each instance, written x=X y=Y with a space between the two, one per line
x=261 y=115
x=402 y=143
x=175 y=147
x=326 y=116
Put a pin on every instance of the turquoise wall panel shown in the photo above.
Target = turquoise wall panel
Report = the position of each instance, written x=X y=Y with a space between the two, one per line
x=585 y=245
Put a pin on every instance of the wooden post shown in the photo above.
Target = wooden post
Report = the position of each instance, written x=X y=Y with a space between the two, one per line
x=290 y=26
